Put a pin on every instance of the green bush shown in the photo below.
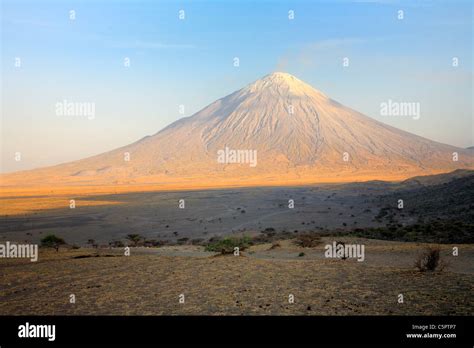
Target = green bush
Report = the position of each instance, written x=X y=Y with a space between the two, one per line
x=134 y=238
x=52 y=241
x=227 y=245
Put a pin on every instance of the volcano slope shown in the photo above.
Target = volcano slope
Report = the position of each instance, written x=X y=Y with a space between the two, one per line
x=298 y=136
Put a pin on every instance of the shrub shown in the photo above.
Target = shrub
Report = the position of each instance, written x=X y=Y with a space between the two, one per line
x=308 y=240
x=429 y=260
x=269 y=231
x=197 y=241
x=182 y=240
x=117 y=244
x=52 y=241
x=92 y=243
x=134 y=238
x=227 y=245
x=153 y=243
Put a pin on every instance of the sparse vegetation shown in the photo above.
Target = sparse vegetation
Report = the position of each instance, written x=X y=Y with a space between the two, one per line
x=153 y=243
x=197 y=241
x=227 y=245
x=270 y=235
x=382 y=213
x=183 y=240
x=439 y=231
x=92 y=243
x=308 y=240
x=116 y=244
x=52 y=241
x=429 y=260
x=134 y=238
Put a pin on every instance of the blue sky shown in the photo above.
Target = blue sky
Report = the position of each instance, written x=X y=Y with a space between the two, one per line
x=190 y=62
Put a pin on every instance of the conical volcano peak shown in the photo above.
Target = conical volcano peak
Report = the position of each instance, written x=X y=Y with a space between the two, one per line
x=281 y=77
x=283 y=84
x=297 y=133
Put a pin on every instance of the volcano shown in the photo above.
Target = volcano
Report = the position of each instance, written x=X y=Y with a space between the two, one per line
x=277 y=130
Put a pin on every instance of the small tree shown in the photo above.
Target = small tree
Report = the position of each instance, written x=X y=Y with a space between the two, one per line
x=227 y=245
x=52 y=241
x=116 y=244
x=429 y=260
x=92 y=243
x=134 y=238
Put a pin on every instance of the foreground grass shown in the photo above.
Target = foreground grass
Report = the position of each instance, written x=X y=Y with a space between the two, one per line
x=150 y=284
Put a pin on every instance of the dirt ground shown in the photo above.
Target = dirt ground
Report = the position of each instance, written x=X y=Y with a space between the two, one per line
x=259 y=282
x=156 y=215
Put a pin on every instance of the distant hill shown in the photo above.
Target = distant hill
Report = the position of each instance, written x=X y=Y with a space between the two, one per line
x=437 y=179
x=439 y=211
